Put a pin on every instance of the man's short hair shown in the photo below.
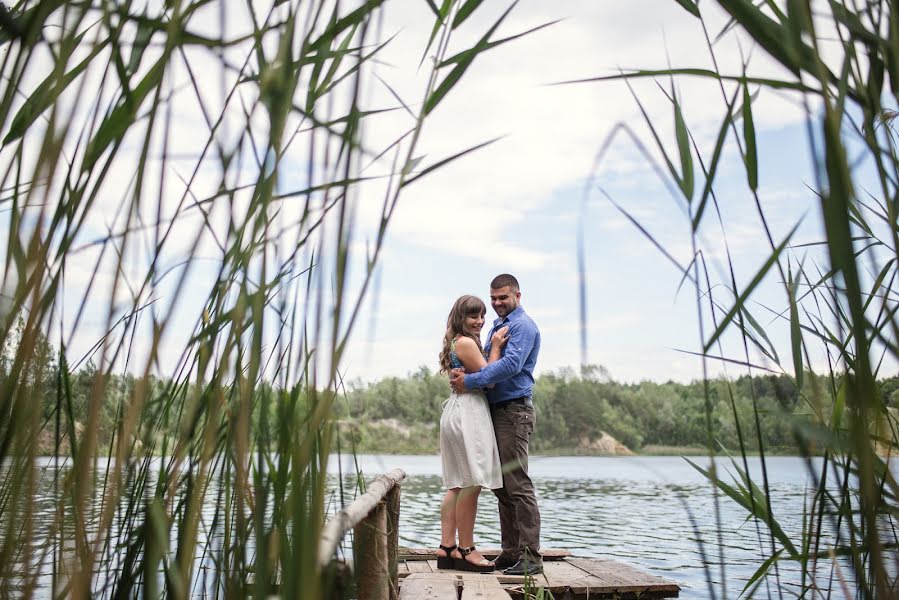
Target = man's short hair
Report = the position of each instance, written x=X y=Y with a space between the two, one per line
x=504 y=280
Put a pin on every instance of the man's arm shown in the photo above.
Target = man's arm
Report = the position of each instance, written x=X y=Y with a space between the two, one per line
x=522 y=337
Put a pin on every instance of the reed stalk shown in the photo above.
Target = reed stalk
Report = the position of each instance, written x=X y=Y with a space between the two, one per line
x=184 y=182
x=840 y=303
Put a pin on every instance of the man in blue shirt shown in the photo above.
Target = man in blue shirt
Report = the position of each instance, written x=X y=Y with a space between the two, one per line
x=512 y=410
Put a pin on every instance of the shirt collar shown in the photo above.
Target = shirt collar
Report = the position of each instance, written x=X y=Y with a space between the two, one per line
x=514 y=315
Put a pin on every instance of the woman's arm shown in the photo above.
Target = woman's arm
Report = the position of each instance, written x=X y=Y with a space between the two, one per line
x=497 y=342
x=470 y=355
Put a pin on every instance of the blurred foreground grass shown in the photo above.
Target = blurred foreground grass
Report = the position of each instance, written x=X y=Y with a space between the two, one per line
x=186 y=182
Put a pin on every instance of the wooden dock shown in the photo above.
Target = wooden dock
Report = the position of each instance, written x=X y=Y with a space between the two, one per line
x=567 y=577
x=382 y=570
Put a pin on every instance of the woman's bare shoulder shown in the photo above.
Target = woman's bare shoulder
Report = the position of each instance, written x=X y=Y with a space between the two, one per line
x=466 y=343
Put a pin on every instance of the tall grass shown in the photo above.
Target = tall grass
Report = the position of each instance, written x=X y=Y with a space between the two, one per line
x=842 y=62
x=186 y=183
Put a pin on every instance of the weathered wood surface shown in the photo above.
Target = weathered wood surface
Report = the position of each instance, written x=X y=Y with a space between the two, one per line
x=348 y=518
x=482 y=587
x=417 y=566
x=626 y=577
x=392 y=502
x=490 y=553
x=430 y=566
x=371 y=561
x=569 y=577
x=421 y=586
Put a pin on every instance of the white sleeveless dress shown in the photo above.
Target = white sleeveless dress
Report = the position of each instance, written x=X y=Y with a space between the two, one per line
x=467 y=442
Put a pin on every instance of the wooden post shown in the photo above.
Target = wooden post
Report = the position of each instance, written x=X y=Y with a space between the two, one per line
x=393 y=539
x=344 y=520
x=376 y=537
x=370 y=555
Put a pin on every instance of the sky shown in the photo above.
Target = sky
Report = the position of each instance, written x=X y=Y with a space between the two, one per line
x=517 y=205
x=520 y=204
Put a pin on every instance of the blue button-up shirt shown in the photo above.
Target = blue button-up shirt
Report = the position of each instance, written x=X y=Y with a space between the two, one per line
x=513 y=374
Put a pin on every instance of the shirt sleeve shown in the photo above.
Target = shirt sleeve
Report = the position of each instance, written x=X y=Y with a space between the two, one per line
x=522 y=338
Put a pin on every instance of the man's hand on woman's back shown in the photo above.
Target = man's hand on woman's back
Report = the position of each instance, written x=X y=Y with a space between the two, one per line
x=457 y=380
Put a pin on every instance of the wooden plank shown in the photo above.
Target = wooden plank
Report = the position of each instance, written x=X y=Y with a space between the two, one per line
x=482 y=587
x=564 y=576
x=430 y=566
x=428 y=586
x=418 y=566
x=627 y=577
x=490 y=553
x=506 y=579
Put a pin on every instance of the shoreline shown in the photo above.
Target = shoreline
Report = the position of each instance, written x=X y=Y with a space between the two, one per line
x=647 y=451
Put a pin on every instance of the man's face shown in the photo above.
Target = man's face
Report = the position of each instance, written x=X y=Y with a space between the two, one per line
x=504 y=300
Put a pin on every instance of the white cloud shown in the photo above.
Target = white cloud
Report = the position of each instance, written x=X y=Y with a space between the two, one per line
x=513 y=205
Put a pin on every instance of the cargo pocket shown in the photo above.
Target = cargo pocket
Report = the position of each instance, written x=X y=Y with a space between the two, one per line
x=523 y=417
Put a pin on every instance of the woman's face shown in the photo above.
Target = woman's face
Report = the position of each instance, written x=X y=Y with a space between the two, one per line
x=472 y=324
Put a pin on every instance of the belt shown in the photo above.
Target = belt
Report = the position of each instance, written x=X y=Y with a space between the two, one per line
x=505 y=403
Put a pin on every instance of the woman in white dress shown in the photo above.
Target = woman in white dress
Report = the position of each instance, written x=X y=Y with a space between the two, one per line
x=467 y=442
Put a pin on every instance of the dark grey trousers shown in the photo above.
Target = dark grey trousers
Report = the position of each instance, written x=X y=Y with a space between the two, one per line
x=519 y=517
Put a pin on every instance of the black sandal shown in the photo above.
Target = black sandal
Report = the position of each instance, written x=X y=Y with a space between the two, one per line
x=446 y=562
x=463 y=564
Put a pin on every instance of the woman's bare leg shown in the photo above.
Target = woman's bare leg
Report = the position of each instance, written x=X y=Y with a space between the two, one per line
x=466 y=513
x=448 y=518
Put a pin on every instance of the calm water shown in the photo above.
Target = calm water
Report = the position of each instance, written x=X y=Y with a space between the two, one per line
x=656 y=513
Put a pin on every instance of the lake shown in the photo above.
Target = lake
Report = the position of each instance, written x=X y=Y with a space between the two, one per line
x=656 y=513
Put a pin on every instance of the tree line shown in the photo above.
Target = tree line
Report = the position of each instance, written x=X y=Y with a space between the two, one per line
x=574 y=408
x=402 y=414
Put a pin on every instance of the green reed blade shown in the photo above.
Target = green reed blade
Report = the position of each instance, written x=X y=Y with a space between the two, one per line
x=461 y=56
x=770 y=35
x=697 y=72
x=444 y=161
x=757 y=578
x=683 y=148
x=795 y=333
x=331 y=84
x=47 y=93
x=690 y=6
x=465 y=11
x=771 y=350
x=142 y=37
x=747 y=291
x=713 y=164
x=442 y=13
x=114 y=126
x=453 y=77
x=751 y=158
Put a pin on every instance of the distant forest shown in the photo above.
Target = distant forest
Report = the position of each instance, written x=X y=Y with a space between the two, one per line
x=401 y=414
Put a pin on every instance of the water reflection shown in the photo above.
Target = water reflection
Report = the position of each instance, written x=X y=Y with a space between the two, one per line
x=658 y=514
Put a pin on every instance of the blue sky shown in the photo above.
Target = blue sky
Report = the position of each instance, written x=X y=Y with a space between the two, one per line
x=636 y=316
x=516 y=205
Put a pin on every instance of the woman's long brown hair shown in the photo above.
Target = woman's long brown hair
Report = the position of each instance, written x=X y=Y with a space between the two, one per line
x=465 y=306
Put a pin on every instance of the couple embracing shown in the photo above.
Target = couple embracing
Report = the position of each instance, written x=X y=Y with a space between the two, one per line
x=485 y=428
